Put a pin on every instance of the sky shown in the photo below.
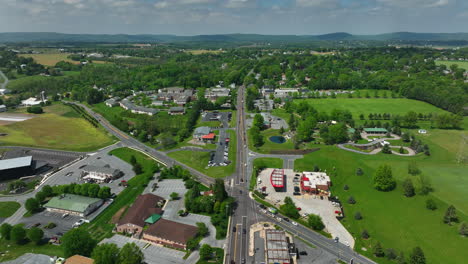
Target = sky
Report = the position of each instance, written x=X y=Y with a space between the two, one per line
x=195 y=17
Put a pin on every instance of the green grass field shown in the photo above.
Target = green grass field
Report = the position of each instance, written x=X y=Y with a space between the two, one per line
x=11 y=250
x=391 y=218
x=199 y=160
x=268 y=163
x=60 y=127
x=461 y=64
x=269 y=145
x=101 y=227
x=7 y=209
x=365 y=106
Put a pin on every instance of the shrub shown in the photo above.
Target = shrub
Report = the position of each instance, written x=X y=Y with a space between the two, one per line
x=315 y=222
x=365 y=234
x=358 y=216
x=430 y=204
x=351 y=200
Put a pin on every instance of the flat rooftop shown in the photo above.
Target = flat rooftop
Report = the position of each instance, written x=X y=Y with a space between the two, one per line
x=15 y=163
x=277 y=249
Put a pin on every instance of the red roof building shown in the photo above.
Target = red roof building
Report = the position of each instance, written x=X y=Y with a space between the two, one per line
x=277 y=179
x=210 y=136
x=317 y=183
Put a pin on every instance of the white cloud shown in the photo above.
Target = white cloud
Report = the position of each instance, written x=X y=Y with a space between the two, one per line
x=316 y=3
x=439 y=3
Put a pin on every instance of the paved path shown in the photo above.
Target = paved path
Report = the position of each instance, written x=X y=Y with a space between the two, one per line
x=4 y=84
x=411 y=152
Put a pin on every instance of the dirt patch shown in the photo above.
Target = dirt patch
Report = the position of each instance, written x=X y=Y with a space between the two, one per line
x=118 y=215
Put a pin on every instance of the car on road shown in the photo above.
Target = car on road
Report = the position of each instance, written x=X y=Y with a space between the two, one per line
x=244 y=231
x=36 y=224
x=294 y=223
x=234 y=229
x=336 y=239
x=279 y=218
x=69 y=173
x=286 y=219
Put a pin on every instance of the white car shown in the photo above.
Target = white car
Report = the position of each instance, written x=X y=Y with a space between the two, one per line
x=294 y=223
x=279 y=219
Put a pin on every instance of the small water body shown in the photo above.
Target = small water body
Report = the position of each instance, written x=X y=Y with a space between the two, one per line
x=277 y=139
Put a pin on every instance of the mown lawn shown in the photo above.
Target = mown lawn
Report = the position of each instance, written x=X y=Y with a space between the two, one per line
x=60 y=127
x=270 y=145
x=199 y=160
x=11 y=250
x=391 y=218
x=366 y=106
x=268 y=163
x=7 y=209
x=461 y=64
x=101 y=227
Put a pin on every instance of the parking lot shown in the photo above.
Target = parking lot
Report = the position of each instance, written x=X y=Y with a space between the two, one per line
x=220 y=155
x=171 y=209
x=309 y=204
x=63 y=224
x=72 y=173
x=153 y=254
x=223 y=117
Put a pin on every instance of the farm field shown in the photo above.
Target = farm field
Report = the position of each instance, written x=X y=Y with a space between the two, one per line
x=50 y=59
x=461 y=64
x=392 y=219
x=366 y=106
x=203 y=51
x=56 y=129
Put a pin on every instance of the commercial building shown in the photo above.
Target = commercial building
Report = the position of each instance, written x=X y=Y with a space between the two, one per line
x=277 y=180
x=144 y=207
x=170 y=233
x=200 y=132
x=73 y=204
x=283 y=93
x=375 y=131
x=128 y=105
x=100 y=174
x=317 y=183
x=32 y=101
x=277 y=247
x=19 y=167
x=213 y=94
x=112 y=102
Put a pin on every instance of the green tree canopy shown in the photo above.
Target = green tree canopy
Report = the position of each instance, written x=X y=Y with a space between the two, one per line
x=106 y=253
x=77 y=241
x=130 y=254
x=35 y=235
x=383 y=178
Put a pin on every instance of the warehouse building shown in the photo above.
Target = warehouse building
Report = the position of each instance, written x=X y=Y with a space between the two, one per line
x=19 y=167
x=73 y=204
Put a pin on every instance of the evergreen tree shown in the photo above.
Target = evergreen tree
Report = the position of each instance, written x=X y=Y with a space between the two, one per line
x=430 y=204
x=378 y=250
x=450 y=215
x=463 y=229
x=417 y=256
x=358 y=216
x=408 y=188
x=365 y=234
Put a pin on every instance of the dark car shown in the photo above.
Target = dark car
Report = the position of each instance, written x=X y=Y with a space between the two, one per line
x=262 y=206
x=296 y=189
x=234 y=229
x=36 y=224
x=244 y=231
x=286 y=219
x=303 y=253
x=296 y=193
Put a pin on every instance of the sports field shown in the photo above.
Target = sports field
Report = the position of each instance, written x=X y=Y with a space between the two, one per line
x=392 y=219
x=461 y=64
x=357 y=106
x=60 y=127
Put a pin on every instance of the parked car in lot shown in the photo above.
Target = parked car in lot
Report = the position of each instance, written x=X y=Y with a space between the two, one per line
x=303 y=253
x=296 y=189
x=65 y=215
x=234 y=229
x=298 y=208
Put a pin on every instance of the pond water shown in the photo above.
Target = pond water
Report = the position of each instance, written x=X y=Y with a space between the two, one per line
x=277 y=139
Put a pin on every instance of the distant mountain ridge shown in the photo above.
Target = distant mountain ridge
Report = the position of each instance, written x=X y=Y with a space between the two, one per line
x=13 y=37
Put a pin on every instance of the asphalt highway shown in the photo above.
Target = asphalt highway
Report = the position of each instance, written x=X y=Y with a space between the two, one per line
x=247 y=210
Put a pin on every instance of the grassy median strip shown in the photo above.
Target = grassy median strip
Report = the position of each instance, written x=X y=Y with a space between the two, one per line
x=7 y=209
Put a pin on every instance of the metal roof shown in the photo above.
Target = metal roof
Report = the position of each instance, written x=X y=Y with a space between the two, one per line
x=153 y=218
x=204 y=130
x=15 y=163
x=375 y=129
x=105 y=170
x=277 y=178
x=71 y=202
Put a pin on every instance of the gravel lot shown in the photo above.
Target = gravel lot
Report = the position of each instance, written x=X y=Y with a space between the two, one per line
x=308 y=203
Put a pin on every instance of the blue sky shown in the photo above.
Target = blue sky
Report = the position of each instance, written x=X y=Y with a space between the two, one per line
x=193 y=17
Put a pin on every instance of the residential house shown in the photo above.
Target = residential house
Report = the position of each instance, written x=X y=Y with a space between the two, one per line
x=128 y=105
x=3 y=108
x=176 y=110
x=112 y=102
